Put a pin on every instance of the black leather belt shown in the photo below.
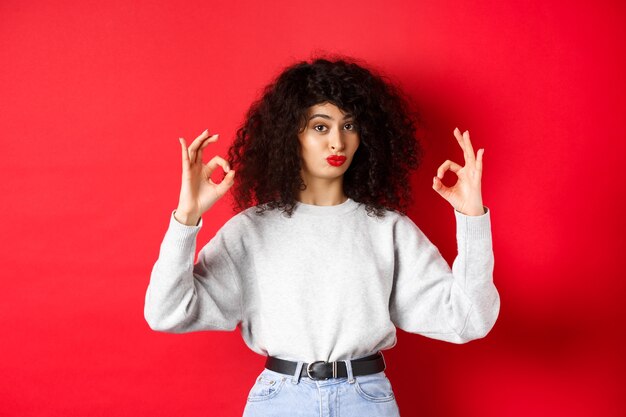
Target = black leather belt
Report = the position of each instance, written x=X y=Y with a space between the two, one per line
x=321 y=370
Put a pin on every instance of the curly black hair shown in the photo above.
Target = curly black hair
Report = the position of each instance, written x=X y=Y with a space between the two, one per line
x=266 y=151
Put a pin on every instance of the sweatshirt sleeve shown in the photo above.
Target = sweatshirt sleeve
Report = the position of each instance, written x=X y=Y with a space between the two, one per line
x=455 y=305
x=183 y=297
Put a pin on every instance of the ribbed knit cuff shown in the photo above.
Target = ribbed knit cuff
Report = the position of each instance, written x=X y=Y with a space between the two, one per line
x=180 y=236
x=473 y=227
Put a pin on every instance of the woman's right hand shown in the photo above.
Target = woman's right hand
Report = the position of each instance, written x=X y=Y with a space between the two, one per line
x=198 y=192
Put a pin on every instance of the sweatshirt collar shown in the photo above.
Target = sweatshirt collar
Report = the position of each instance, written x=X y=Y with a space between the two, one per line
x=314 y=210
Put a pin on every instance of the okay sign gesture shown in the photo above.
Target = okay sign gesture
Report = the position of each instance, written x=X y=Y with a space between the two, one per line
x=198 y=192
x=465 y=196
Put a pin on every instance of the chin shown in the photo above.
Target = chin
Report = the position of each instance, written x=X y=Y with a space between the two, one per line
x=327 y=176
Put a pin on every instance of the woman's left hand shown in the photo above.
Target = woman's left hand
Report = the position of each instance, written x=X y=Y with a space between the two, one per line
x=465 y=196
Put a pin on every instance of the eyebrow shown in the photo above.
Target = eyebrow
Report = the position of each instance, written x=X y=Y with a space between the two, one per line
x=325 y=116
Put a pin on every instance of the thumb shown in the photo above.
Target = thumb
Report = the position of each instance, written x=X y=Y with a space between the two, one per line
x=227 y=182
x=440 y=187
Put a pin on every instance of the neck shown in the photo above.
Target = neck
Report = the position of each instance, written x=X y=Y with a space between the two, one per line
x=321 y=192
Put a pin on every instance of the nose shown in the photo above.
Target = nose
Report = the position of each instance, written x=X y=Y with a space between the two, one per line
x=336 y=140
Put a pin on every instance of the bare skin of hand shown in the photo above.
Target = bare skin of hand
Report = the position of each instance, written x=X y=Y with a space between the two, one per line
x=465 y=196
x=198 y=192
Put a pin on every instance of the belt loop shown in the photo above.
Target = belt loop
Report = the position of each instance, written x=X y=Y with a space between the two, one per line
x=349 y=370
x=296 y=375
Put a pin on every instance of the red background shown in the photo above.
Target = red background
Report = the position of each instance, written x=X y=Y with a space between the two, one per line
x=94 y=96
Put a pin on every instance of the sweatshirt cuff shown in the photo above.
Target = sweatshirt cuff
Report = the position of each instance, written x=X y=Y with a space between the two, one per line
x=180 y=235
x=473 y=227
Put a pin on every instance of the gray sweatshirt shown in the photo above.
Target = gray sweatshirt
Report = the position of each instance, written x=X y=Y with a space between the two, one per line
x=330 y=283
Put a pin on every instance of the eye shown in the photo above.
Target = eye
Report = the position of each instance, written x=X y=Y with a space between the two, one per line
x=350 y=126
x=319 y=130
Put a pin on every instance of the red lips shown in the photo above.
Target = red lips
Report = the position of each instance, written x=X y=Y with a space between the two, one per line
x=336 y=160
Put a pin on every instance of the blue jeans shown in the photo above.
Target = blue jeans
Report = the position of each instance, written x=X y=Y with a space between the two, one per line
x=279 y=395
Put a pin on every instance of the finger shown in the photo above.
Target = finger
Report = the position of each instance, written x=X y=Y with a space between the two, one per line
x=227 y=182
x=440 y=187
x=210 y=139
x=469 y=147
x=193 y=148
x=214 y=162
x=461 y=139
x=183 y=146
x=479 y=160
x=448 y=165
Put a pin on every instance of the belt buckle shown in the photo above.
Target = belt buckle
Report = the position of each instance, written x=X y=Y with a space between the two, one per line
x=308 y=370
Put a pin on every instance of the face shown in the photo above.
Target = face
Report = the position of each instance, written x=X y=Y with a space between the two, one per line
x=328 y=142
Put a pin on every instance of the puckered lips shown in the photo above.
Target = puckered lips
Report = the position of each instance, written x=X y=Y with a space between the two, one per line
x=336 y=160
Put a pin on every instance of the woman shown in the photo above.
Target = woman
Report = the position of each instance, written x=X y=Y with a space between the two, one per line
x=321 y=264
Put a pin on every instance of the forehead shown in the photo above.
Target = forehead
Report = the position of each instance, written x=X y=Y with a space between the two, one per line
x=326 y=108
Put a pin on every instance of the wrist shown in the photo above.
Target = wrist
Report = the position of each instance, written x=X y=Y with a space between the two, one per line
x=473 y=211
x=187 y=219
x=476 y=212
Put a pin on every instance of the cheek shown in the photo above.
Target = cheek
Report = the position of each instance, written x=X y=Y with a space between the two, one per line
x=355 y=145
x=303 y=148
x=307 y=150
x=311 y=146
